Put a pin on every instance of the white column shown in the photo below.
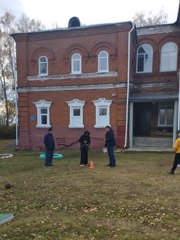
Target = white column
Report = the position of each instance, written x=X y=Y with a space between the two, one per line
x=175 y=121
x=131 y=125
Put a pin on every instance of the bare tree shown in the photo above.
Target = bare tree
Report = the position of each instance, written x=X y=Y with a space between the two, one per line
x=25 y=24
x=8 y=25
x=140 y=18
x=6 y=44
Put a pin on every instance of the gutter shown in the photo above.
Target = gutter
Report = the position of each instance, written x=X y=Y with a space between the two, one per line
x=128 y=80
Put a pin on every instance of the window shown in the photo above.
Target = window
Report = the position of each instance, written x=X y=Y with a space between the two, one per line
x=43 y=65
x=76 y=113
x=144 y=59
x=103 y=62
x=102 y=112
x=169 y=57
x=43 y=116
x=166 y=113
x=76 y=63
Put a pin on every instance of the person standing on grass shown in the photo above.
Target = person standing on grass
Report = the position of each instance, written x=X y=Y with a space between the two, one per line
x=49 y=147
x=85 y=141
x=177 y=153
x=110 y=145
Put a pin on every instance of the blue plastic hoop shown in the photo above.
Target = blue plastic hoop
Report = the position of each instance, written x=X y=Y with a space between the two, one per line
x=56 y=155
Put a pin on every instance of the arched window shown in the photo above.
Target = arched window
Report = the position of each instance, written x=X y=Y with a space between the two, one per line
x=43 y=65
x=144 y=59
x=103 y=61
x=169 y=57
x=76 y=63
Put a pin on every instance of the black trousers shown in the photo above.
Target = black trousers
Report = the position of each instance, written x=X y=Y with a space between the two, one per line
x=176 y=161
x=84 y=156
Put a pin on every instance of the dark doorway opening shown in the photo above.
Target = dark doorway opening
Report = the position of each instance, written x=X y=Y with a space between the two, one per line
x=142 y=119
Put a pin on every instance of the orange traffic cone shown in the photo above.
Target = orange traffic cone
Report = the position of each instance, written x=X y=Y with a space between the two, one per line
x=91 y=164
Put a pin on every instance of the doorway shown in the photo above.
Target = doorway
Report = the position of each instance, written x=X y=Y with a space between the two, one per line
x=142 y=119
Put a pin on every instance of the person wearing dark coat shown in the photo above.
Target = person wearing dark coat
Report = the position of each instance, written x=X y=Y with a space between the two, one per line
x=49 y=147
x=110 y=145
x=85 y=141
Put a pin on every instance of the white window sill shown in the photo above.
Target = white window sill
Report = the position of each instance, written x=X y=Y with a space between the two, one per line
x=43 y=126
x=100 y=126
x=73 y=126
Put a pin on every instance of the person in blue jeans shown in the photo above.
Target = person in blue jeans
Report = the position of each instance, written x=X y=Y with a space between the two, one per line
x=49 y=147
x=110 y=145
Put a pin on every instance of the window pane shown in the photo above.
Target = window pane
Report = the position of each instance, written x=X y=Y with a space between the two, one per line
x=144 y=58
x=169 y=117
x=103 y=64
x=43 y=68
x=162 y=116
x=102 y=111
x=43 y=119
x=43 y=60
x=169 y=57
x=43 y=110
x=140 y=63
x=76 y=112
x=76 y=66
x=43 y=65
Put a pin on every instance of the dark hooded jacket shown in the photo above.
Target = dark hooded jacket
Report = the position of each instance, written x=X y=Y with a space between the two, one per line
x=109 y=138
x=85 y=141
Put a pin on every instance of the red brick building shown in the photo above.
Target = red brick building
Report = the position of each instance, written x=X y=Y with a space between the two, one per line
x=87 y=77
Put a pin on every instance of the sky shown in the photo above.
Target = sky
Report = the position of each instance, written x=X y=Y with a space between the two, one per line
x=59 y=12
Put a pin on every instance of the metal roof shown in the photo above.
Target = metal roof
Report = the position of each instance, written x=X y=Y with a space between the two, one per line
x=157 y=29
x=153 y=97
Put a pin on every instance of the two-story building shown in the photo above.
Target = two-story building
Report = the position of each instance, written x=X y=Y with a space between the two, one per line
x=87 y=77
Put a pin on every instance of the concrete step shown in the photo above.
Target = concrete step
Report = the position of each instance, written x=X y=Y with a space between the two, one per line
x=152 y=142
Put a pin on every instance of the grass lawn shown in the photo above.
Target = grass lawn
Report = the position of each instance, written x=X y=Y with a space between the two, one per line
x=137 y=200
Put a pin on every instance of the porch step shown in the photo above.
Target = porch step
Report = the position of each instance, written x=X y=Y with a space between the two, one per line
x=152 y=142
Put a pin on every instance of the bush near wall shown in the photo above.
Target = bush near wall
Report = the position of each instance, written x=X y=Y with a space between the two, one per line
x=8 y=132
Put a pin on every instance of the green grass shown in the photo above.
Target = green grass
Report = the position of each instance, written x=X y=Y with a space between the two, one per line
x=137 y=200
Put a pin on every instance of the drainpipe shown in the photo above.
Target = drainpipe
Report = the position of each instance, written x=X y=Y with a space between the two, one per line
x=128 y=79
x=15 y=90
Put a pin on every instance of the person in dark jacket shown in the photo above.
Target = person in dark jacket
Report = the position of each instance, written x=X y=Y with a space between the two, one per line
x=49 y=147
x=85 y=141
x=110 y=144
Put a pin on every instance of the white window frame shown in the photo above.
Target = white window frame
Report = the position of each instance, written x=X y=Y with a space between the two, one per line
x=103 y=60
x=76 y=121
x=146 y=57
x=165 y=107
x=76 y=60
x=169 y=53
x=102 y=121
x=43 y=64
x=43 y=104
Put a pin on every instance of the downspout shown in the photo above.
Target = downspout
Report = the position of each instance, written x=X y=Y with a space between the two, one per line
x=15 y=90
x=128 y=80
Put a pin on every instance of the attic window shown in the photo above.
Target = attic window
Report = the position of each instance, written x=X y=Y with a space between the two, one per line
x=74 y=22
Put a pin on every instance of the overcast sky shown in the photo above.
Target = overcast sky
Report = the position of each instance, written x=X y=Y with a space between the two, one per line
x=88 y=12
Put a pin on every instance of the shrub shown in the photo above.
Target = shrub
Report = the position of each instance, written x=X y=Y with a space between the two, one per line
x=8 y=132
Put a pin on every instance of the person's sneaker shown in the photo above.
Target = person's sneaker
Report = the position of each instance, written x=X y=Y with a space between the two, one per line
x=82 y=165
x=171 y=172
x=108 y=165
